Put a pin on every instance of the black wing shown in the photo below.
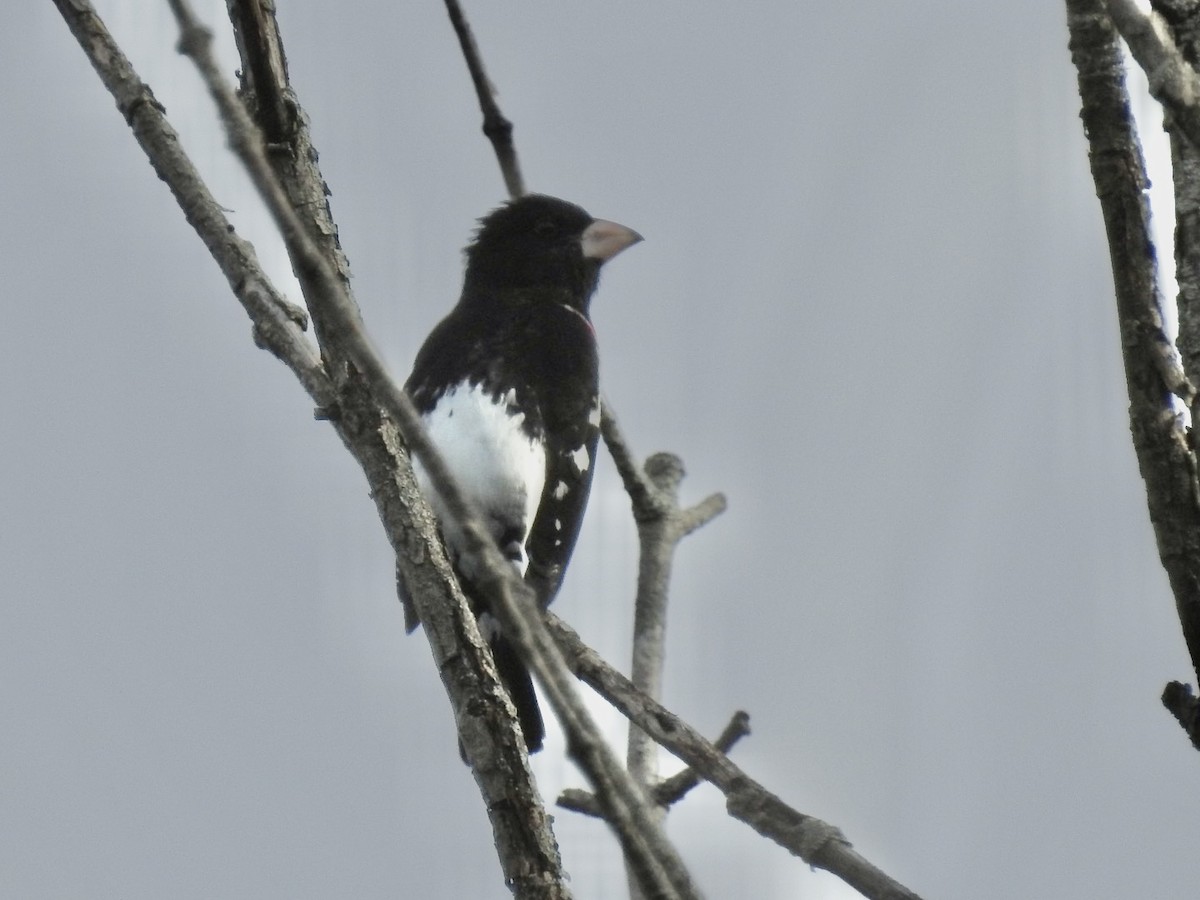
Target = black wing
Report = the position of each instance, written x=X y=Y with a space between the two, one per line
x=567 y=378
x=570 y=464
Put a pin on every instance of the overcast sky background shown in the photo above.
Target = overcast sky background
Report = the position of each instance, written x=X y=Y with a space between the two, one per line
x=873 y=306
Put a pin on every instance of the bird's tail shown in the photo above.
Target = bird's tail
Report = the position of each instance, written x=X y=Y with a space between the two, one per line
x=517 y=681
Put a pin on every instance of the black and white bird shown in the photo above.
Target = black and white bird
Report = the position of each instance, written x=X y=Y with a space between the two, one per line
x=508 y=387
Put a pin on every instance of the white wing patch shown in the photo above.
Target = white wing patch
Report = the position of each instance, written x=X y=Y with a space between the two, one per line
x=560 y=490
x=580 y=458
x=497 y=464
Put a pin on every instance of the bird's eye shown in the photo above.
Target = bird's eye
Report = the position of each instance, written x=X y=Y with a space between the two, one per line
x=545 y=228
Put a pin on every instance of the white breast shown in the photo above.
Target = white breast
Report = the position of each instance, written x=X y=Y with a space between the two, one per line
x=501 y=469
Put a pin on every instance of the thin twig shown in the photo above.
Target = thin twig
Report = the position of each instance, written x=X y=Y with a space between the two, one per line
x=671 y=790
x=637 y=485
x=675 y=788
x=816 y=842
x=497 y=128
x=267 y=94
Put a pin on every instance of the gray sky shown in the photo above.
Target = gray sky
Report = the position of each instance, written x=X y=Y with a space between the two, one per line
x=873 y=307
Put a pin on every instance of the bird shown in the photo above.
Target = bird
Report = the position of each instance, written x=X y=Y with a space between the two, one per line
x=507 y=385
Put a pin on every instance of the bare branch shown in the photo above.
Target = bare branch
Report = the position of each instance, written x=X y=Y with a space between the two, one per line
x=670 y=790
x=661 y=524
x=637 y=485
x=580 y=801
x=701 y=514
x=657 y=540
x=195 y=41
x=270 y=101
x=643 y=821
x=265 y=88
x=497 y=128
x=524 y=841
x=268 y=97
x=647 y=497
x=511 y=601
x=1183 y=18
x=675 y=788
x=654 y=494
x=1164 y=454
x=816 y=842
x=1173 y=83
x=277 y=323
x=375 y=441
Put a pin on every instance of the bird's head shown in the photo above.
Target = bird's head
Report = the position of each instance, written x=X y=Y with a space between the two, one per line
x=542 y=246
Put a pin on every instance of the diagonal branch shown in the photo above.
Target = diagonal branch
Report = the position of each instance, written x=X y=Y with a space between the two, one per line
x=497 y=128
x=816 y=842
x=277 y=324
x=627 y=810
x=1152 y=369
x=524 y=842
x=637 y=484
x=671 y=790
x=265 y=84
x=1183 y=19
x=1176 y=86
x=267 y=94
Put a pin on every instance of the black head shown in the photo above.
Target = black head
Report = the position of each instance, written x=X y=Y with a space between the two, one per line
x=542 y=246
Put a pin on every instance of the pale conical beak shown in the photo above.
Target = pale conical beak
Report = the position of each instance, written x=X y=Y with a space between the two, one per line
x=603 y=240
